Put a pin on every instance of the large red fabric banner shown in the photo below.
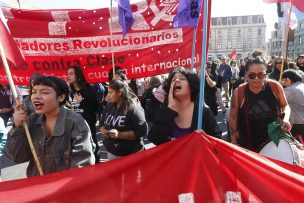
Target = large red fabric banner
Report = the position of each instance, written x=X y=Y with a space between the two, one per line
x=12 y=53
x=54 y=40
x=196 y=168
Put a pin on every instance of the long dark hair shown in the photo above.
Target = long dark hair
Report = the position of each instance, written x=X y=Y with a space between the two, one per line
x=191 y=77
x=285 y=66
x=118 y=71
x=80 y=79
x=127 y=95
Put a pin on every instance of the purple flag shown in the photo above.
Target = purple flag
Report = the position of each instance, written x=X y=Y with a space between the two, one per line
x=125 y=16
x=188 y=12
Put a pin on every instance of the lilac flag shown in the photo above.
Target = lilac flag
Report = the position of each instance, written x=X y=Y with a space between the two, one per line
x=125 y=16
x=188 y=12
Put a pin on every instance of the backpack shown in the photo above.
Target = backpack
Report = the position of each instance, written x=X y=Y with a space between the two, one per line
x=241 y=91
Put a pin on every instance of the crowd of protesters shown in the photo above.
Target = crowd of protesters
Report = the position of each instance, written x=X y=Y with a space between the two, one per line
x=62 y=117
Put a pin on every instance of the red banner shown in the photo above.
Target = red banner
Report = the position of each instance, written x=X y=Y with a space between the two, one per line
x=196 y=168
x=54 y=40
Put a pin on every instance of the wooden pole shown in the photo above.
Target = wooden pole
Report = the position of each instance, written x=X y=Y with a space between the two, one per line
x=285 y=43
x=111 y=34
x=13 y=89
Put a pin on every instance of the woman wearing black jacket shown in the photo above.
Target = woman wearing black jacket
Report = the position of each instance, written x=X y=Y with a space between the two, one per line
x=123 y=122
x=84 y=101
x=179 y=117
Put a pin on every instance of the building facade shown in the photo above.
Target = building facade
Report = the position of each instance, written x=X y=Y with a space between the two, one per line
x=275 y=43
x=242 y=33
x=296 y=47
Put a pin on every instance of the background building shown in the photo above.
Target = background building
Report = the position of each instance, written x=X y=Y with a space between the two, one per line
x=296 y=47
x=243 y=33
x=274 y=44
x=296 y=38
x=295 y=44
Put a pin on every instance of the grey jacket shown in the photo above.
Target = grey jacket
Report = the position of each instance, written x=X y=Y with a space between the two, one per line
x=295 y=98
x=70 y=146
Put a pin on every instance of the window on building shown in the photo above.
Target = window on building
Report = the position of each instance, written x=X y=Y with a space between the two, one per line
x=229 y=45
x=300 y=40
x=239 y=20
x=219 y=34
x=249 y=20
x=219 y=21
x=259 y=31
x=249 y=32
x=239 y=45
x=224 y=33
x=239 y=33
x=260 y=19
x=219 y=47
x=229 y=21
x=249 y=44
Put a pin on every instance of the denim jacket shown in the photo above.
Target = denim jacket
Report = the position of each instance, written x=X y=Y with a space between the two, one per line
x=70 y=146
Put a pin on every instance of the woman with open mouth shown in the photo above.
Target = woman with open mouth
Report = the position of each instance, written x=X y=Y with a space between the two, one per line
x=179 y=116
x=61 y=137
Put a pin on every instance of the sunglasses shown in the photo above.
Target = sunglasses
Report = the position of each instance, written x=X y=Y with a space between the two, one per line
x=254 y=75
x=278 y=63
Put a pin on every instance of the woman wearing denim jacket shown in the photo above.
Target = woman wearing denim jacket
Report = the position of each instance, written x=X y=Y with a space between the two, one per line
x=61 y=138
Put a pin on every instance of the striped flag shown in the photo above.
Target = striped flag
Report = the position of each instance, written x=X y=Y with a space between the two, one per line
x=283 y=14
x=299 y=4
x=293 y=22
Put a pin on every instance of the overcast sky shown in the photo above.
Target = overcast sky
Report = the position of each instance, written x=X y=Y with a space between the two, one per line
x=219 y=7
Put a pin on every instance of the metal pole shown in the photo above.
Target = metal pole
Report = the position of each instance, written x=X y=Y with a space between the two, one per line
x=193 y=48
x=204 y=56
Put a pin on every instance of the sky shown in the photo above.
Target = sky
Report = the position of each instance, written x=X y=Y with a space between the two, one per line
x=219 y=8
